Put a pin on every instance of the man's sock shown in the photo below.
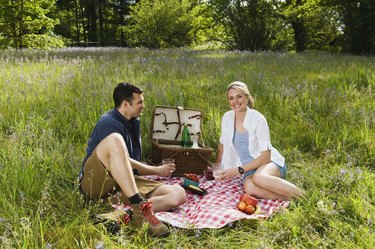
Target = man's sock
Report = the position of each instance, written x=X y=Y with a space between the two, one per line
x=136 y=199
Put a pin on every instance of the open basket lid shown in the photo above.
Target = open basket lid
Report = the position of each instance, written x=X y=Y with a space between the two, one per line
x=168 y=122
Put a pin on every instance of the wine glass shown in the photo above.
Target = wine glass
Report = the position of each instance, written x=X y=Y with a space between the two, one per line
x=217 y=171
x=169 y=161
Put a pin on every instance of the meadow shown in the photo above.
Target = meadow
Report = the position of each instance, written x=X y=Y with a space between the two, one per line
x=320 y=108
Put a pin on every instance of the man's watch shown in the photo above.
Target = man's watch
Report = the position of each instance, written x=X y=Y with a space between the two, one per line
x=241 y=170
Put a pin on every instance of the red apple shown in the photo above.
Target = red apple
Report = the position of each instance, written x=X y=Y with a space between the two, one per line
x=249 y=209
x=249 y=200
x=241 y=205
x=244 y=196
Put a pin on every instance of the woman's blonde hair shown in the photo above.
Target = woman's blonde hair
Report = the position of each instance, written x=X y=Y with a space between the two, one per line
x=242 y=87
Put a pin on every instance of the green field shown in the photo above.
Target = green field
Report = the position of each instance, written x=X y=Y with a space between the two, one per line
x=320 y=109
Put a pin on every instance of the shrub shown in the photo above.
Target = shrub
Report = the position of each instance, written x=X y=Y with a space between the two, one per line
x=161 y=24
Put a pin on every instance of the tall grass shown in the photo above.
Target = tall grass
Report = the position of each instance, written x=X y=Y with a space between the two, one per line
x=320 y=109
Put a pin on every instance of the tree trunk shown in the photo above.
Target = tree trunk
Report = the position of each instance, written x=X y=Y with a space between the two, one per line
x=77 y=20
x=299 y=35
x=20 y=32
x=101 y=22
x=92 y=18
x=299 y=31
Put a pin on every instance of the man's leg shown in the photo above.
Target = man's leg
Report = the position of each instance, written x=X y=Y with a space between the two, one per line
x=113 y=154
x=167 y=197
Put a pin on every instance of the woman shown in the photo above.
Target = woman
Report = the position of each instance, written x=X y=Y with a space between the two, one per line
x=245 y=148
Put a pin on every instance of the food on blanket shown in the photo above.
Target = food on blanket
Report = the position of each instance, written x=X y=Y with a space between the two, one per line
x=249 y=209
x=192 y=177
x=248 y=204
x=195 y=189
x=241 y=205
x=187 y=182
x=192 y=186
x=249 y=200
x=258 y=210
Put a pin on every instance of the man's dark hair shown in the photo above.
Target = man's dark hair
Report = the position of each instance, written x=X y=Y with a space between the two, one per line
x=124 y=91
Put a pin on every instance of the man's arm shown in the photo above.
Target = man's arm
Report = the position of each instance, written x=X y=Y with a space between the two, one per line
x=144 y=169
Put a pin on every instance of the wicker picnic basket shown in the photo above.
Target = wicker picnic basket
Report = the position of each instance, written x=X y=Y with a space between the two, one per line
x=166 y=129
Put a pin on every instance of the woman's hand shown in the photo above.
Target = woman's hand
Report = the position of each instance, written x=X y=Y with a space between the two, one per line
x=228 y=174
x=166 y=169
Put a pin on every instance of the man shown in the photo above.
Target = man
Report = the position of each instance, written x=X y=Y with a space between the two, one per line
x=113 y=157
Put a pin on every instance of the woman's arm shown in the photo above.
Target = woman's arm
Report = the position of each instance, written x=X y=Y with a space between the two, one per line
x=219 y=153
x=264 y=158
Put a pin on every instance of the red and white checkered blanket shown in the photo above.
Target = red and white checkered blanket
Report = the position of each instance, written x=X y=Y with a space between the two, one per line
x=217 y=208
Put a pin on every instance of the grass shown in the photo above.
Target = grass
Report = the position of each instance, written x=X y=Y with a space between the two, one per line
x=320 y=108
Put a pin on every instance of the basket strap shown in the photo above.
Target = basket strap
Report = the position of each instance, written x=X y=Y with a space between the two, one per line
x=173 y=155
x=198 y=116
x=204 y=159
x=179 y=124
x=176 y=155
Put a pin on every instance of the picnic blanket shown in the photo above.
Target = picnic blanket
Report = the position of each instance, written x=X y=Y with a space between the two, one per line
x=217 y=208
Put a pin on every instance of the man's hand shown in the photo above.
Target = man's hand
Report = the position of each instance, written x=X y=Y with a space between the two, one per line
x=166 y=169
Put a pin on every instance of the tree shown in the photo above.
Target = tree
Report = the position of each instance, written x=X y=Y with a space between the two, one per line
x=25 y=23
x=93 y=22
x=248 y=24
x=314 y=25
x=357 y=24
x=161 y=23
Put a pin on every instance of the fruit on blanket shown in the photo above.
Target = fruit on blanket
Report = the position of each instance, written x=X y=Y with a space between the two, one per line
x=249 y=209
x=258 y=210
x=192 y=177
x=249 y=200
x=241 y=205
x=248 y=204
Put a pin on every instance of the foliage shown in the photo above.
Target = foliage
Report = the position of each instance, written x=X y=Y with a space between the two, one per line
x=42 y=41
x=320 y=109
x=161 y=23
x=248 y=25
x=288 y=25
x=315 y=26
x=277 y=25
x=358 y=25
x=21 y=21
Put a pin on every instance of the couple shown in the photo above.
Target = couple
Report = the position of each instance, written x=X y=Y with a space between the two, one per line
x=112 y=164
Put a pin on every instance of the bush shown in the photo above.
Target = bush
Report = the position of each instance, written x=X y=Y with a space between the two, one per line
x=42 y=41
x=161 y=24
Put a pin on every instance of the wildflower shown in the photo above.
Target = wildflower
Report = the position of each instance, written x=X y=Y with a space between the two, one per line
x=342 y=172
x=198 y=233
x=358 y=171
x=369 y=222
x=322 y=207
x=100 y=245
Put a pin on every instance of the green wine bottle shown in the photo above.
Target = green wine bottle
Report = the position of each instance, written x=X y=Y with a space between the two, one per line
x=186 y=139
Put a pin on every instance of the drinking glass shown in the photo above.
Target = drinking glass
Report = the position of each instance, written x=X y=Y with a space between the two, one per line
x=168 y=161
x=216 y=171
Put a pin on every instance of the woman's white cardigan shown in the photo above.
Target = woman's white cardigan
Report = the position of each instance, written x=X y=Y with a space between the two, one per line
x=259 y=138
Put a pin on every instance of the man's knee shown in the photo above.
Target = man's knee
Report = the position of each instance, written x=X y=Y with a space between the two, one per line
x=179 y=195
x=112 y=144
x=113 y=140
